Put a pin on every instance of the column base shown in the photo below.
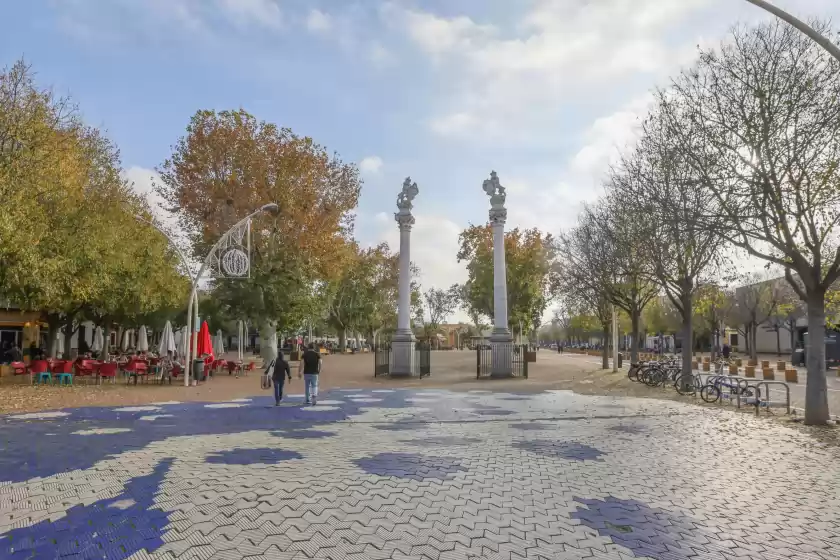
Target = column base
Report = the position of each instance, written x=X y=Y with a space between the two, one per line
x=501 y=350
x=402 y=354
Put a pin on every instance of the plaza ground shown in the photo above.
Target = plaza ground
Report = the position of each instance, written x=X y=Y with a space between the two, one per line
x=454 y=370
x=417 y=474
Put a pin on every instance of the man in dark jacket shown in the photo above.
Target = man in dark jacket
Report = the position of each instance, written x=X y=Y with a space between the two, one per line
x=279 y=372
x=310 y=366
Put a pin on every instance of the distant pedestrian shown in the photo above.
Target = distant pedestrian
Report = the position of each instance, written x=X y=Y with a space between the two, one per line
x=280 y=371
x=310 y=366
x=726 y=351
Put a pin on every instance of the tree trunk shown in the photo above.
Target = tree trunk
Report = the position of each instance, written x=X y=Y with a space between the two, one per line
x=792 y=326
x=634 y=340
x=342 y=339
x=53 y=324
x=713 y=344
x=816 y=394
x=748 y=348
x=605 y=349
x=106 y=339
x=268 y=340
x=688 y=334
x=68 y=335
x=753 y=341
x=779 y=343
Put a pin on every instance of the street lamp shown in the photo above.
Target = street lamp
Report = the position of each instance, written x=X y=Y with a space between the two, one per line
x=821 y=40
x=270 y=208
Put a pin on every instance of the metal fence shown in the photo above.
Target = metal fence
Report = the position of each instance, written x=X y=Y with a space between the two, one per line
x=516 y=354
x=422 y=360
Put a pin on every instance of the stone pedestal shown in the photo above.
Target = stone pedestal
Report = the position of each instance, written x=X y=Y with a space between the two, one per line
x=501 y=354
x=402 y=354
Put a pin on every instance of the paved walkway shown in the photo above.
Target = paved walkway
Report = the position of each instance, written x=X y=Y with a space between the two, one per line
x=415 y=475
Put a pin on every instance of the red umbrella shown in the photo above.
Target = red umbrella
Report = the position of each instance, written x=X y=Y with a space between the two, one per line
x=205 y=344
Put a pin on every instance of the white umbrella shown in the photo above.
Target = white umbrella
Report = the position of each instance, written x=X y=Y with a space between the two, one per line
x=59 y=346
x=98 y=340
x=167 y=340
x=182 y=342
x=219 y=344
x=124 y=344
x=142 y=340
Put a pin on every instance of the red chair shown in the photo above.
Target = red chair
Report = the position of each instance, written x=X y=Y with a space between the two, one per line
x=84 y=368
x=176 y=369
x=138 y=369
x=38 y=366
x=108 y=369
x=250 y=367
x=233 y=367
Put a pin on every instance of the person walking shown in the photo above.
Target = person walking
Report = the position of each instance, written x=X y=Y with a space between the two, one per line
x=310 y=366
x=280 y=371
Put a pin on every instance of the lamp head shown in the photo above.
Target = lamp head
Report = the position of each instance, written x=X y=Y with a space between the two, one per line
x=271 y=208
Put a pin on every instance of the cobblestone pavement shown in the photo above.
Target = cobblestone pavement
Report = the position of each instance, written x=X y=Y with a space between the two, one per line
x=415 y=475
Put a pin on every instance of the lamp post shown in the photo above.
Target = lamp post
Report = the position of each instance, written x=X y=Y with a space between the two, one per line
x=193 y=301
x=821 y=40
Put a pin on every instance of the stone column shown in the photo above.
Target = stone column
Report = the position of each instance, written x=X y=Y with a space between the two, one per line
x=501 y=340
x=402 y=343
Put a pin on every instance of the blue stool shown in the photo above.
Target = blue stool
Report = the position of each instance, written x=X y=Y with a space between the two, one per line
x=45 y=377
x=65 y=378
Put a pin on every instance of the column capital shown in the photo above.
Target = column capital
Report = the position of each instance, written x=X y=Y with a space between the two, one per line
x=498 y=216
x=405 y=220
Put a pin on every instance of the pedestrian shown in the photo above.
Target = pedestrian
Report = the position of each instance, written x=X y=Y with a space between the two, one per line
x=280 y=371
x=310 y=366
x=726 y=351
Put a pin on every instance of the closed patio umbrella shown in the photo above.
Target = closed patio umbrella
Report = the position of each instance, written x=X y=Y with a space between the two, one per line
x=59 y=344
x=98 y=340
x=219 y=344
x=167 y=340
x=124 y=344
x=142 y=340
x=205 y=344
x=182 y=341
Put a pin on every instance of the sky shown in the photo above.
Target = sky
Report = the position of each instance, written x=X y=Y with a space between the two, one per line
x=545 y=92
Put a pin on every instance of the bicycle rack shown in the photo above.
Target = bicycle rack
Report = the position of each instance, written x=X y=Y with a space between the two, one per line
x=769 y=403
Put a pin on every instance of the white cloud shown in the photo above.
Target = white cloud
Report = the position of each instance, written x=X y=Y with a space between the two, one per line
x=264 y=13
x=512 y=84
x=142 y=181
x=318 y=21
x=434 y=244
x=371 y=165
x=607 y=137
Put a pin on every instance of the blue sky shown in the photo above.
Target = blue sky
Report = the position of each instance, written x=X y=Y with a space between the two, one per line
x=545 y=92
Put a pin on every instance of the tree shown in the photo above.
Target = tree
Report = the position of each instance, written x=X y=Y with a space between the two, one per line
x=606 y=253
x=755 y=302
x=72 y=247
x=661 y=317
x=439 y=304
x=765 y=115
x=364 y=297
x=656 y=181
x=530 y=271
x=228 y=164
x=713 y=306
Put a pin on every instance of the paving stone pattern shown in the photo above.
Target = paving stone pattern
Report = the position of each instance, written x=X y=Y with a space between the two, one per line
x=415 y=475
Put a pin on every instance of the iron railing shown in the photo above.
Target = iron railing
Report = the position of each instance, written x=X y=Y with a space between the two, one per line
x=506 y=352
x=422 y=360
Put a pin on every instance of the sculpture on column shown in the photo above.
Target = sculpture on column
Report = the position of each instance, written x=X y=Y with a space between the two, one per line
x=402 y=343
x=500 y=339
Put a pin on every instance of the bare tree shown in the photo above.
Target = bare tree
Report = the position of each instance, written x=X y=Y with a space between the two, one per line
x=663 y=192
x=764 y=136
x=754 y=304
x=621 y=247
